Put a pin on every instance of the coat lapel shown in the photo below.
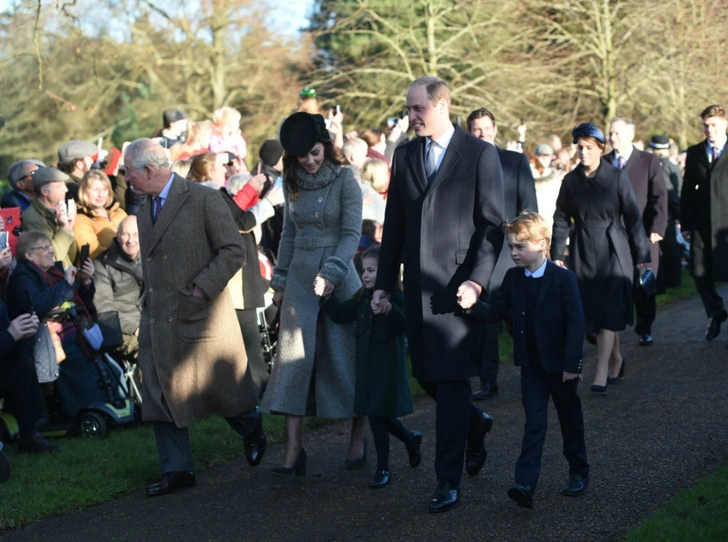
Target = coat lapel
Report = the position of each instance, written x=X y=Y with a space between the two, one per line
x=178 y=194
x=416 y=159
x=452 y=155
x=548 y=278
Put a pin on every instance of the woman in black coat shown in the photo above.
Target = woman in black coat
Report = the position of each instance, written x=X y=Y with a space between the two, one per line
x=607 y=241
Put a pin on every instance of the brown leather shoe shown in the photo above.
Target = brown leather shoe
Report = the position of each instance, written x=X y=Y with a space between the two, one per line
x=171 y=481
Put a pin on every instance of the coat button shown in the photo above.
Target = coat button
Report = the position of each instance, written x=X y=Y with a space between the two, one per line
x=523 y=313
x=317 y=214
x=169 y=287
x=149 y=258
x=320 y=199
x=164 y=256
x=152 y=320
x=170 y=319
x=521 y=332
x=151 y=290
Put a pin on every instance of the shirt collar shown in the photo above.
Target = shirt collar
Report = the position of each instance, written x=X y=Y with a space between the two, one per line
x=167 y=187
x=625 y=155
x=444 y=140
x=718 y=145
x=539 y=272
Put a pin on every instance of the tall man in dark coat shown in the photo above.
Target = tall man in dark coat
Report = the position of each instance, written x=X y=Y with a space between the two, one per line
x=519 y=193
x=443 y=222
x=704 y=218
x=648 y=181
x=191 y=351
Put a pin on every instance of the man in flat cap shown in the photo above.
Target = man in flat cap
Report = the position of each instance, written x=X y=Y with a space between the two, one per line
x=672 y=251
x=75 y=158
x=20 y=177
x=48 y=213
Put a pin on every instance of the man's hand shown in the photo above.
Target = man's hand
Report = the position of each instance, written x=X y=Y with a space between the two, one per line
x=382 y=307
x=23 y=326
x=655 y=238
x=378 y=297
x=571 y=376
x=64 y=221
x=468 y=293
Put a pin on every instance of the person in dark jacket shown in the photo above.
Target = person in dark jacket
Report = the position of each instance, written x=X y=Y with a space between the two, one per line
x=18 y=382
x=20 y=177
x=607 y=242
x=382 y=385
x=704 y=217
x=648 y=181
x=119 y=283
x=519 y=194
x=542 y=302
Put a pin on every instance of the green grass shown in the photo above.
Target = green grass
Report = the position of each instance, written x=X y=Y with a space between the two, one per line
x=698 y=514
x=88 y=472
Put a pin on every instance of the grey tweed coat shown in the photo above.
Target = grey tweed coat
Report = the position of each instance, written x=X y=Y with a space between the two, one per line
x=321 y=231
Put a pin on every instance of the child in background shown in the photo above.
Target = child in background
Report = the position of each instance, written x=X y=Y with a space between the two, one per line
x=382 y=384
x=227 y=136
x=543 y=303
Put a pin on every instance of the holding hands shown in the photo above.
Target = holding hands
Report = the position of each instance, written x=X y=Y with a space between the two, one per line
x=468 y=294
x=381 y=307
x=323 y=286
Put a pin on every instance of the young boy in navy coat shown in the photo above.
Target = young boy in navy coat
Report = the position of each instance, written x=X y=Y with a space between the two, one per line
x=542 y=302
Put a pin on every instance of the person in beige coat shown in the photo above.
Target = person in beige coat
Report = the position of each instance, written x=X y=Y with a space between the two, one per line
x=191 y=351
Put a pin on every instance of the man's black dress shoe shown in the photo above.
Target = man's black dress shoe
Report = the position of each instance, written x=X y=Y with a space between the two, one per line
x=446 y=496
x=521 y=495
x=488 y=390
x=415 y=455
x=171 y=481
x=714 y=327
x=381 y=478
x=576 y=485
x=646 y=339
x=255 y=443
x=475 y=452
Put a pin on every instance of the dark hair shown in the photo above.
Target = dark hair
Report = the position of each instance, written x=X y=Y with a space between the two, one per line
x=290 y=163
x=374 y=253
x=372 y=136
x=714 y=110
x=479 y=114
x=436 y=88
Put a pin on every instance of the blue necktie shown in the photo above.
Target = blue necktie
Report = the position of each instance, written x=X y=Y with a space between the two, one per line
x=157 y=209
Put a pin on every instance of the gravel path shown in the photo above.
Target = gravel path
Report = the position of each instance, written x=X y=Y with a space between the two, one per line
x=651 y=436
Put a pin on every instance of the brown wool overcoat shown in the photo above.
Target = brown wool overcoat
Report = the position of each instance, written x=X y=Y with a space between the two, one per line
x=191 y=351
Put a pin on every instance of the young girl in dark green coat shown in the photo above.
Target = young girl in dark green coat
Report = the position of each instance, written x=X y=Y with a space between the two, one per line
x=382 y=384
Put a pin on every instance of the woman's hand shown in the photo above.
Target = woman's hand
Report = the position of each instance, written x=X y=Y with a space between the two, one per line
x=23 y=326
x=275 y=196
x=70 y=274
x=278 y=298
x=323 y=286
x=560 y=263
x=87 y=272
x=257 y=182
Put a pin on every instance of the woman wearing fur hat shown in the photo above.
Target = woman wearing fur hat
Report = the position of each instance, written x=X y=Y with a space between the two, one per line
x=313 y=373
x=608 y=240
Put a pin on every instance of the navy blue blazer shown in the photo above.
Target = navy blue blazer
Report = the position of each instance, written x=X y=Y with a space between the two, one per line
x=559 y=318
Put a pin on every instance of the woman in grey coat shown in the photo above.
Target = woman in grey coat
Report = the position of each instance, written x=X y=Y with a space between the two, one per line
x=313 y=373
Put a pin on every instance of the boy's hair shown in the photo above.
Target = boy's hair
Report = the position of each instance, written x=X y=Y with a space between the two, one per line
x=529 y=226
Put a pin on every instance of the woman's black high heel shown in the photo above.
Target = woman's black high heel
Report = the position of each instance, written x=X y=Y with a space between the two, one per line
x=299 y=469
x=619 y=376
x=352 y=464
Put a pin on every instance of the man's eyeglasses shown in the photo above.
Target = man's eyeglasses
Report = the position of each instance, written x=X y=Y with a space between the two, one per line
x=29 y=174
x=308 y=92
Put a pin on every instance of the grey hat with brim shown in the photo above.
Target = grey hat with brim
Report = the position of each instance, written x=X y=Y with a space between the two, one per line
x=301 y=131
x=74 y=150
x=45 y=175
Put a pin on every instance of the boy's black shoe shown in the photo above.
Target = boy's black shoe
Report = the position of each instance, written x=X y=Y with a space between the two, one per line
x=576 y=486
x=521 y=495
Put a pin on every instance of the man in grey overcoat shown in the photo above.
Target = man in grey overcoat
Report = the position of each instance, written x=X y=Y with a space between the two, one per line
x=191 y=351
x=443 y=222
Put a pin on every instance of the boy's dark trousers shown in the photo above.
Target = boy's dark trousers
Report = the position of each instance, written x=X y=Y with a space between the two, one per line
x=536 y=387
